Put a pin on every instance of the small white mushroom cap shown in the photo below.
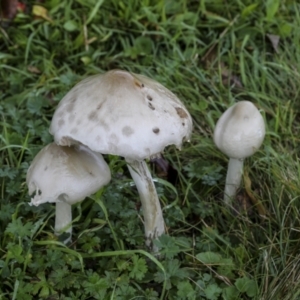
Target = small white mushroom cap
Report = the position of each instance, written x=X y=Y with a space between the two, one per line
x=67 y=174
x=240 y=131
x=123 y=114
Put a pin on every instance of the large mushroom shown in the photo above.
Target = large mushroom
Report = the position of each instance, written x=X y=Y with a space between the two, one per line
x=128 y=115
x=238 y=133
x=65 y=176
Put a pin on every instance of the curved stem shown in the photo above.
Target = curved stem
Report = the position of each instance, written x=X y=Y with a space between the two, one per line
x=153 y=217
x=233 y=178
x=63 y=218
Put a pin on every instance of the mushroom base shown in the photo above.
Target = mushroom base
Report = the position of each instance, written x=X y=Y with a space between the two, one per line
x=153 y=217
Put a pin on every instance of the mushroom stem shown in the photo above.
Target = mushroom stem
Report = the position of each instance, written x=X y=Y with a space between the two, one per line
x=63 y=218
x=153 y=217
x=233 y=178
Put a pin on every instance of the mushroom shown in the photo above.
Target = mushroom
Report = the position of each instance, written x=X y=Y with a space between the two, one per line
x=129 y=115
x=65 y=175
x=238 y=133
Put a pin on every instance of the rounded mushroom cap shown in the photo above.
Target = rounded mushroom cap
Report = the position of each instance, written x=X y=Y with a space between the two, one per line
x=66 y=174
x=123 y=114
x=240 y=131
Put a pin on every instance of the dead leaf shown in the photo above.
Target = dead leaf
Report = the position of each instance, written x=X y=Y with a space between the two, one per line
x=34 y=70
x=8 y=9
x=21 y=7
x=274 y=39
x=254 y=199
x=211 y=62
x=41 y=12
x=165 y=170
x=242 y=203
x=230 y=79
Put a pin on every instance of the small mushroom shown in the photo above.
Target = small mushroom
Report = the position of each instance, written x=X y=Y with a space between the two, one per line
x=65 y=176
x=129 y=115
x=238 y=133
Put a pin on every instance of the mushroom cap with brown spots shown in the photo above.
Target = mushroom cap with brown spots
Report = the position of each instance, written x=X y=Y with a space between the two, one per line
x=66 y=174
x=240 y=131
x=123 y=114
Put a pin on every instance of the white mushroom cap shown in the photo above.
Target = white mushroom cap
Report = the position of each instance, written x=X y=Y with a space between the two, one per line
x=240 y=131
x=66 y=174
x=123 y=114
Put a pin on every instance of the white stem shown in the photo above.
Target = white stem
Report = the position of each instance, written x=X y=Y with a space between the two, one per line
x=233 y=178
x=63 y=218
x=153 y=217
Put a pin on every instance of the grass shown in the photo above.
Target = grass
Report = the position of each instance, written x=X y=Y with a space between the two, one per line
x=211 y=54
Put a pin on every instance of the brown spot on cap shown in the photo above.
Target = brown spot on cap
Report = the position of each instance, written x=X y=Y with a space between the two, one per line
x=70 y=107
x=71 y=118
x=113 y=139
x=127 y=131
x=104 y=125
x=151 y=106
x=60 y=114
x=149 y=98
x=181 y=112
x=60 y=123
x=93 y=116
x=91 y=173
x=156 y=130
x=99 y=106
x=74 y=130
x=138 y=84
x=73 y=100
